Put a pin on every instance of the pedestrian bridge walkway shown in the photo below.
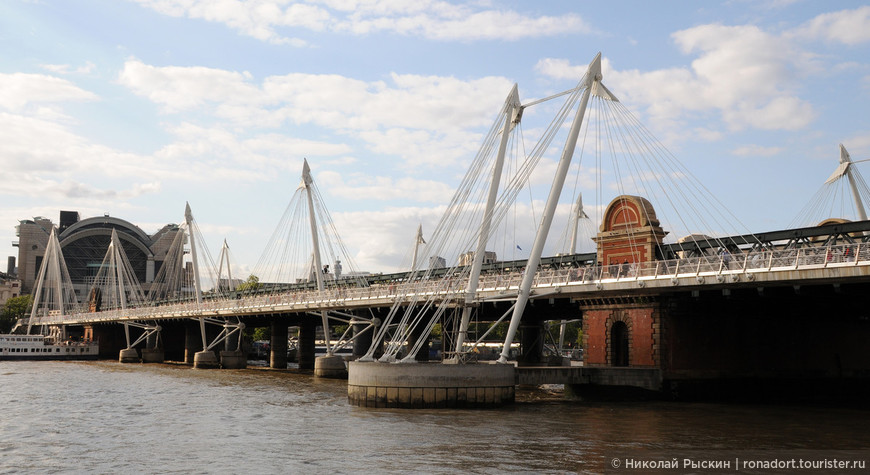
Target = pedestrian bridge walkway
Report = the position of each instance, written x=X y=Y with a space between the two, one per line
x=835 y=264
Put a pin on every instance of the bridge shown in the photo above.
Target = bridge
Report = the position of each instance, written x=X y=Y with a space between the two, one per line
x=666 y=317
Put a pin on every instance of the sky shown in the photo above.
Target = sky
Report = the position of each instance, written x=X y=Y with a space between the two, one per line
x=132 y=108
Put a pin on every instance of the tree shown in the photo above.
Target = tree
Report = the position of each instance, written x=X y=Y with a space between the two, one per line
x=253 y=283
x=261 y=333
x=13 y=309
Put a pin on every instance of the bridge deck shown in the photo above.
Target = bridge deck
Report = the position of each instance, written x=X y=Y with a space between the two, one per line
x=834 y=264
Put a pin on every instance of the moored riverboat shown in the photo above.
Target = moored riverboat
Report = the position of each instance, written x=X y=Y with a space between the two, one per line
x=39 y=347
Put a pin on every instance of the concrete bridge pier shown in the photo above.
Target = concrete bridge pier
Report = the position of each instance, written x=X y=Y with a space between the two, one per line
x=430 y=385
x=305 y=352
x=232 y=357
x=278 y=344
x=152 y=353
x=192 y=341
x=129 y=355
x=362 y=342
x=332 y=367
x=206 y=359
x=531 y=344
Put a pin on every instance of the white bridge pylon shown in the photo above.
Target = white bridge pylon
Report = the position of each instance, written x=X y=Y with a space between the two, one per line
x=844 y=185
x=231 y=326
x=54 y=294
x=592 y=82
x=306 y=253
x=116 y=287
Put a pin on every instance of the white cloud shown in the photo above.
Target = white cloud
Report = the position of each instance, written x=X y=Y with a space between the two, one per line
x=437 y=20
x=756 y=151
x=849 y=27
x=385 y=188
x=68 y=69
x=20 y=90
x=382 y=241
x=466 y=24
x=256 y=158
x=743 y=74
x=180 y=88
x=421 y=119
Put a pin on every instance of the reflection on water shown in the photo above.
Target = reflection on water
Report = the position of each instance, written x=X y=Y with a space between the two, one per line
x=108 y=417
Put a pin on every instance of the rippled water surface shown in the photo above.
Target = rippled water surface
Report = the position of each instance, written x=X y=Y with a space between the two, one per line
x=111 y=418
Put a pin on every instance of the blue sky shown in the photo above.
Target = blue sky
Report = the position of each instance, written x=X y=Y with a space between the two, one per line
x=133 y=107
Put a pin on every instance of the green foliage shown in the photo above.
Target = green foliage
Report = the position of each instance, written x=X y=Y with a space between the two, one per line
x=573 y=333
x=13 y=309
x=339 y=330
x=436 y=331
x=261 y=333
x=253 y=283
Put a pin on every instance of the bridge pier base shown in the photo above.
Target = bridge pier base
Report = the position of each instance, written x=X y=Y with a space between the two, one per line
x=152 y=355
x=192 y=341
x=305 y=354
x=129 y=355
x=278 y=345
x=363 y=341
x=234 y=359
x=330 y=367
x=430 y=385
x=205 y=360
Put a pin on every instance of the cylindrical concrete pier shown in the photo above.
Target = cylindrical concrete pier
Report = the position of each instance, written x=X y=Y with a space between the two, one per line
x=278 y=345
x=192 y=341
x=306 y=348
x=129 y=355
x=152 y=355
x=430 y=385
x=205 y=360
x=362 y=341
x=330 y=367
x=234 y=359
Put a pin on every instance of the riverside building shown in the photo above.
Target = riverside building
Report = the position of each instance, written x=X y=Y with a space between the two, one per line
x=84 y=243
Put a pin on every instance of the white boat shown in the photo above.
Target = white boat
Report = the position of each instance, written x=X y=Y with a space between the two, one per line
x=40 y=347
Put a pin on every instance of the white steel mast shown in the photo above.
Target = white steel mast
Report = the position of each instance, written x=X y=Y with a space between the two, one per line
x=417 y=242
x=318 y=267
x=511 y=109
x=592 y=85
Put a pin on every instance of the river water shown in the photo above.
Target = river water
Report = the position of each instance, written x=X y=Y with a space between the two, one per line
x=104 y=417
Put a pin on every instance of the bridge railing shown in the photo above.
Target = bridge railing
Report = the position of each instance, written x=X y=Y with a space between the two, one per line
x=723 y=264
x=454 y=288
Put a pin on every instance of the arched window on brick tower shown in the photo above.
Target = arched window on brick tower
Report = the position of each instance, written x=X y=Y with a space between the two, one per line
x=629 y=233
